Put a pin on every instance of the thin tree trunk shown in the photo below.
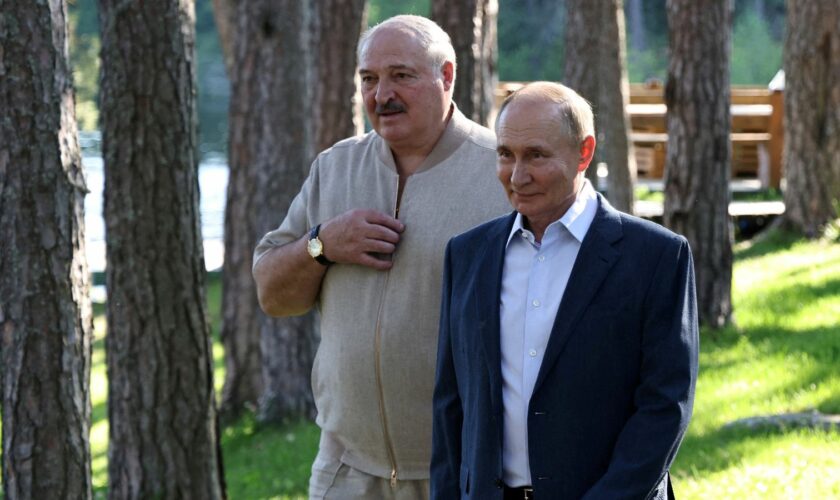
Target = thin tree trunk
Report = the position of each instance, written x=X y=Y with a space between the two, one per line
x=583 y=34
x=697 y=165
x=472 y=26
x=596 y=67
x=240 y=310
x=270 y=153
x=337 y=101
x=45 y=310
x=614 y=122
x=812 y=115
x=161 y=407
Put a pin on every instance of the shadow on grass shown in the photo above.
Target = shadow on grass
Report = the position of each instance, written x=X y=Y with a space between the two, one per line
x=263 y=461
x=770 y=241
x=727 y=447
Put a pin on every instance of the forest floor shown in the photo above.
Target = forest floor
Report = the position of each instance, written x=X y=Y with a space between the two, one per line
x=781 y=356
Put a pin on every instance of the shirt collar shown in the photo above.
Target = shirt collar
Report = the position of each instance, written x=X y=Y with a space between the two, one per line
x=577 y=219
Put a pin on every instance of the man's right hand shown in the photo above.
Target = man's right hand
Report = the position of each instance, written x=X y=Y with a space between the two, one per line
x=364 y=237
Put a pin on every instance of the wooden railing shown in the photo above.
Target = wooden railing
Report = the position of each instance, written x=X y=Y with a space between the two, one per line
x=756 y=134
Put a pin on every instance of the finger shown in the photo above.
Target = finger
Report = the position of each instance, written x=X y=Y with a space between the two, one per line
x=383 y=233
x=382 y=219
x=372 y=262
x=379 y=246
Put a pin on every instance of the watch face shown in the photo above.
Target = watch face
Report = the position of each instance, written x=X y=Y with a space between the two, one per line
x=314 y=247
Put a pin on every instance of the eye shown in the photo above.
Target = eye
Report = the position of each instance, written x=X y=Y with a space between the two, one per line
x=402 y=76
x=503 y=153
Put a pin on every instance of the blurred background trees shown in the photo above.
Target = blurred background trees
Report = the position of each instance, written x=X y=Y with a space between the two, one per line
x=530 y=40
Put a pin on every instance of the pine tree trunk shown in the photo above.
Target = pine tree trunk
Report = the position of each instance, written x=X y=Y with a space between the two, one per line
x=812 y=115
x=472 y=26
x=697 y=165
x=270 y=154
x=583 y=33
x=613 y=122
x=596 y=68
x=45 y=310
x=337 y=101
x=161 y=407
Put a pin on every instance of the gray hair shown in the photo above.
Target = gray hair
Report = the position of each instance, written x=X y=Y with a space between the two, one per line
x=435 y=42
x=575 y=112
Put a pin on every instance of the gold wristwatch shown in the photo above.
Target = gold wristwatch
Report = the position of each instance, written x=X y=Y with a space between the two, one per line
x=315 y=247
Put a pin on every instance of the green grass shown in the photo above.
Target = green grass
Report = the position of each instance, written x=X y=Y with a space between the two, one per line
x=782 y=356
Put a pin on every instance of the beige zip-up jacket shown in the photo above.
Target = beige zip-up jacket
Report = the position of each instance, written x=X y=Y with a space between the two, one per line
x=374 y=370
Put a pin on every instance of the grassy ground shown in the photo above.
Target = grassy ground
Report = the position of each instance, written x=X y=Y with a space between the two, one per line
x=781 y=357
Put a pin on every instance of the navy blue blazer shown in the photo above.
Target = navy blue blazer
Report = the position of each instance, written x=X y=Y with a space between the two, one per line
x=615 y=390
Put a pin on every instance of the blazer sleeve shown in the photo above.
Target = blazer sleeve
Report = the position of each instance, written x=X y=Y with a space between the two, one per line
x=648 y=443
x=448 y=413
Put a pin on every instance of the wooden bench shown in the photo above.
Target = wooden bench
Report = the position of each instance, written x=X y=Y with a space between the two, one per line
x=756 y=132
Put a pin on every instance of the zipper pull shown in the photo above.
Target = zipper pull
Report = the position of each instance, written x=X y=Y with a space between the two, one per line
x=393 y=478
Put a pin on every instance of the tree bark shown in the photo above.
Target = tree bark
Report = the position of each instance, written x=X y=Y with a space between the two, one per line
x=697 y=167
x=583 y=24
x=45 y=310
x=270 y=153
x=613 y=121
x=471 y=24
x=596 y=68
x=812 y=115
x=161 y=406
x=336 y=25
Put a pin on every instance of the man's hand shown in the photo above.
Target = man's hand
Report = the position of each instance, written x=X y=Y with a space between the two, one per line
x=364 y=237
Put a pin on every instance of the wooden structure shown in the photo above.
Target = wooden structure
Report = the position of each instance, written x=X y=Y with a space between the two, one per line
x=757 y=133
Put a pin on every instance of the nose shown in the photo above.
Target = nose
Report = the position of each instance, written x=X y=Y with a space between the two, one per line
x=519 y=176
x=384 y=91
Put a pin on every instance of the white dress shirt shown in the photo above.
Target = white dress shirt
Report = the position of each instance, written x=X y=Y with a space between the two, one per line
x=533 y=282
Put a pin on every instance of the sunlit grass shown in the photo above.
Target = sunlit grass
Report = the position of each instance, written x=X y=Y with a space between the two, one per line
x=781 y=357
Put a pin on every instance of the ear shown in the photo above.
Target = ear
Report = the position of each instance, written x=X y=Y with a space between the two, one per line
x=587 y=151
x=448 y=72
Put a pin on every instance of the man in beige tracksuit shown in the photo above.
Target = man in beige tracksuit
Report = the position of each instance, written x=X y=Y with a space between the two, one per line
x=364 y=241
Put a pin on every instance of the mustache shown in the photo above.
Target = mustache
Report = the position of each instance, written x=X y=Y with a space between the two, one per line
x=390 y=106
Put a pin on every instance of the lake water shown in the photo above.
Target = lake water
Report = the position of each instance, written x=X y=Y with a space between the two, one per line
x=212 y=179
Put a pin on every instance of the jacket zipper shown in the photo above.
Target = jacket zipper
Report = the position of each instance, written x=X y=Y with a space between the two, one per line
x=389 y=446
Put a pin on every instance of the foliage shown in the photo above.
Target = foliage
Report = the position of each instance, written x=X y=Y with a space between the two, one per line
x=756 y=56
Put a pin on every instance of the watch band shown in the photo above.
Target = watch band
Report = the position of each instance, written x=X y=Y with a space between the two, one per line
x=320 y=258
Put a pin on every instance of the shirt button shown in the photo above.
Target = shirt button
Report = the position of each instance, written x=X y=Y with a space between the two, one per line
x=532 y=352
x=536 y=303
x=541 y=258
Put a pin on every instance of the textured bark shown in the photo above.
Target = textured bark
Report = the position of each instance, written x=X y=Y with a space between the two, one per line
x=472 y=26
x=161 y=407
x=697 y=165
x=270 y=153
x=223 y=15
x=337 y=101
x=596 y=68
x=45 y=311
x=614 y=122
x=812 y=114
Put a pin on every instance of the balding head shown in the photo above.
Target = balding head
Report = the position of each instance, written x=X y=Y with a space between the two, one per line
x=573 y=112
x=429 y=36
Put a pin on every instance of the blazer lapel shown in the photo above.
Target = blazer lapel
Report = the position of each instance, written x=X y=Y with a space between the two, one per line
x=595 y=258
x=487 y=290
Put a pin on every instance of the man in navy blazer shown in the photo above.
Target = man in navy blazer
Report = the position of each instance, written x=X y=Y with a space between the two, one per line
x=568 y=344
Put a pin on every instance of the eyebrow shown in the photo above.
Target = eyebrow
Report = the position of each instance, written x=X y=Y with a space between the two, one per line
x=391 y=67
